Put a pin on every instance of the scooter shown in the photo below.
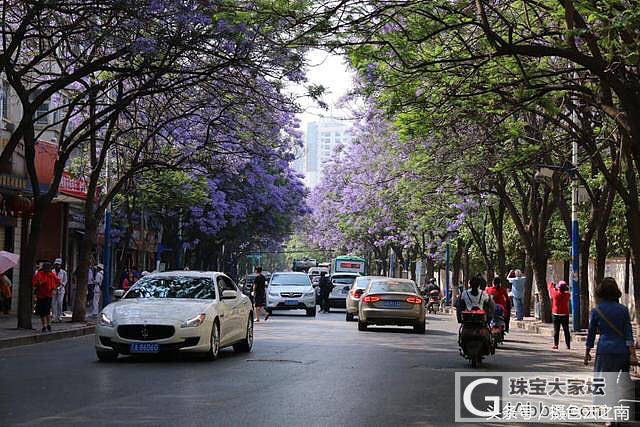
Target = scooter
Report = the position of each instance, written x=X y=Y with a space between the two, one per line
x=434 y=302
x=498 y=326
x=475 y=338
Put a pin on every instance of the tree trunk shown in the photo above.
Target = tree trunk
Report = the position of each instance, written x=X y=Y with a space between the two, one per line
x=27 y=266
x=86 y=246
x=457 y=261
x=466 y=267
x=528 y=289
x=540 y=274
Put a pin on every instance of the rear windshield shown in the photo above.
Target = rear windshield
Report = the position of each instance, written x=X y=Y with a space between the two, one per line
x=343 y=280
x=362 y=282
x=290 y=280
x=173 y=287
x=392 y=287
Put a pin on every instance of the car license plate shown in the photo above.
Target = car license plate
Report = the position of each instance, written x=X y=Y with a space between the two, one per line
x=391 y=304
x=291 y=302
x=143 y=347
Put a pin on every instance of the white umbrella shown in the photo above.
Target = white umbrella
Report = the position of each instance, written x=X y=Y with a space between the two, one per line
x=8 y=260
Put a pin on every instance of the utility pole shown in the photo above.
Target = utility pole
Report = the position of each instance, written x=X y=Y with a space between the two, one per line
x=575 y=242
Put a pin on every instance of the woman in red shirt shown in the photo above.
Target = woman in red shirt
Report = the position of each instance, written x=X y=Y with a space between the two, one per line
x=501 y=296
x=44 y=282
x=560 y=310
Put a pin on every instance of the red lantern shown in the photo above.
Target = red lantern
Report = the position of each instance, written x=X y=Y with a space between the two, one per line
x=19 y=205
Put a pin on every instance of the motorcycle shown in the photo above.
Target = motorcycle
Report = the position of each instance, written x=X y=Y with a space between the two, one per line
x=474 y=337
x=498 y=326
x=433 y=303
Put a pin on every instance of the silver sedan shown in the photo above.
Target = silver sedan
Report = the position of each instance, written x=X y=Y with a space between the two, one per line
x=391 y=301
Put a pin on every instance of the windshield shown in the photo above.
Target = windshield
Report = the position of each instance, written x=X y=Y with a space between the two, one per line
x=388 y=286
x=290 y=280
x=343 y=280
x=173 y=287
x=362 y=282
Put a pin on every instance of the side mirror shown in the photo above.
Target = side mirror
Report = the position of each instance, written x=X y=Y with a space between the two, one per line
x=228 y=294
x=118 y=293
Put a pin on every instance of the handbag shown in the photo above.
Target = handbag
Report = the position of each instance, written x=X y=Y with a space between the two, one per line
x=616 y=330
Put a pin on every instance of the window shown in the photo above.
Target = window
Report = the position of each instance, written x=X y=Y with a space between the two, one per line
x=172 y=287
x=41 y=115
x=225 y=284
x=285 y=279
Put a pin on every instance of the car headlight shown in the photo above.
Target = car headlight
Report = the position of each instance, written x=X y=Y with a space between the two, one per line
x=195 y=322
x=310 y=293
x=274 y=294
x=104 y=320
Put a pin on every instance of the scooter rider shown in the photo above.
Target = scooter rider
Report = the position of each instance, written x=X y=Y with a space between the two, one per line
x=431 y=286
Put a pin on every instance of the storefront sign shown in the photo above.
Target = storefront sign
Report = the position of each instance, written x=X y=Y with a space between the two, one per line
x=76 y=187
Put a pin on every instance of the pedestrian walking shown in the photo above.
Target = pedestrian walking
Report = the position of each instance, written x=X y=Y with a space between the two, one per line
x=59 y=292
x=90 y=286
x=5 y=294
x=615 y=352
x=518 y=282
x=501 y=296
x=325 y=290
x=128 y=281
x=560 y=312
x=615 y=349
x=44 y=282
x=97 y=290
x=260 y=294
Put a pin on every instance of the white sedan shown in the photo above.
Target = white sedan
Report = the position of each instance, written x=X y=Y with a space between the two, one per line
x=181 y=311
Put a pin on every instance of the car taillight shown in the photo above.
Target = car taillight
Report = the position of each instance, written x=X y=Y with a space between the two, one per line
x=371 y=299
x=356 y=294
x=414 y=300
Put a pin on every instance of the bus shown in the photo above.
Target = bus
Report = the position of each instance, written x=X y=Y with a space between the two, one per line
x=349 y=264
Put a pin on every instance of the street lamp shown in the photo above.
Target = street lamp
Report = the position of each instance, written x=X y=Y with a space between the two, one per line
x=545 y=174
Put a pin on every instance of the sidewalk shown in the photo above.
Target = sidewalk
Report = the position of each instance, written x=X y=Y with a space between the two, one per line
x=539 y=327
x=10 y=336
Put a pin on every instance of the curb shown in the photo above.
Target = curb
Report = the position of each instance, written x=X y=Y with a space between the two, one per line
x=538 y=329
x=47 y=336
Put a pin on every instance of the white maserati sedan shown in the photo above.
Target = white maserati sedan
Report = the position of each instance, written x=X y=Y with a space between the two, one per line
x=179 y=311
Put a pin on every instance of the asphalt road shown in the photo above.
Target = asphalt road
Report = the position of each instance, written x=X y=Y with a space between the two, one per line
x=302 y=371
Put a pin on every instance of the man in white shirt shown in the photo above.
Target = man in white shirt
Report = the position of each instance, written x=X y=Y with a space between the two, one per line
x=57 y=299
x=518 y=284
x=97 y=290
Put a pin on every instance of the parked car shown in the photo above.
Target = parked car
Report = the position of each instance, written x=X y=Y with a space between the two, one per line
x=176 y=311
x=353 y=297
x=391 y=301
x=291 y=291
x=341 y=284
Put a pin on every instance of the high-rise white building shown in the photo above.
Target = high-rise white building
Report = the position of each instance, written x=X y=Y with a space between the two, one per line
x=321 y=139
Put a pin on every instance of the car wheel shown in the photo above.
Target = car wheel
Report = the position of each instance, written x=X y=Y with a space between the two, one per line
x=214 y=344
x=246 y=345
x=107 y=356
x=420 y=328
x=311 y=312
x=362 y=326
x=349 y=317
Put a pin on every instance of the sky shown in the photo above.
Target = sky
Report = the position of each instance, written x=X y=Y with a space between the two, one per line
x=330 y=71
